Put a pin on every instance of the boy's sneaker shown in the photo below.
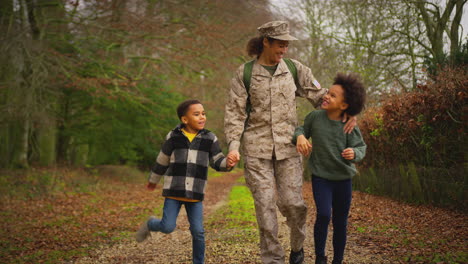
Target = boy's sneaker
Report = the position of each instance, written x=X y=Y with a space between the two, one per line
x=143 y=232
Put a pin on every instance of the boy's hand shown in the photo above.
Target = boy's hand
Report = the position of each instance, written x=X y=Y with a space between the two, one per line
x=350 y=124
x=348 y=154
x=151 y=186
x=303 y=145
x=232 y=158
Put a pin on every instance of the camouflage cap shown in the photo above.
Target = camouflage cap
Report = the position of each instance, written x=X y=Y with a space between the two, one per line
x=277 y=30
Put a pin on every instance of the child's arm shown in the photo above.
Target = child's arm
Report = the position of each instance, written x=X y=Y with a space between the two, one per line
x=303 y=145
x=302 y=135
x=161 y=165
x=217 y=159
x=356 y=149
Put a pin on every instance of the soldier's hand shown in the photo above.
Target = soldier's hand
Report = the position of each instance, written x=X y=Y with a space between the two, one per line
x=234 y=155
x=351 y=122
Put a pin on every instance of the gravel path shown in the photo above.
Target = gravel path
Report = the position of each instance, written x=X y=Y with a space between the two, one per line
x=224 y=246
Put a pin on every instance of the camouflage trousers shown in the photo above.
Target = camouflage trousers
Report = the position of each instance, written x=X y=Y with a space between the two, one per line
x=277 y=183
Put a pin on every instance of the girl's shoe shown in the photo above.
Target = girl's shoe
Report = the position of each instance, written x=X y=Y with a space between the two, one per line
x=320 y=260
x=143 y=232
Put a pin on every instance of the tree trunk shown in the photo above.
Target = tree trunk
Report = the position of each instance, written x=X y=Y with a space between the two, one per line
x=46 y=142
x=436 y=24
x=453 y=34
x=20 y=156
x=46 y=13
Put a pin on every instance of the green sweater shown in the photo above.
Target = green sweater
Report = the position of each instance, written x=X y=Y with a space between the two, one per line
x=328 y=141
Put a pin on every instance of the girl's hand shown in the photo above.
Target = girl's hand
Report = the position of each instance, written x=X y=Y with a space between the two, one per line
x=151 y=186
x=348 y=154
x=350 y=124
x=303 y=145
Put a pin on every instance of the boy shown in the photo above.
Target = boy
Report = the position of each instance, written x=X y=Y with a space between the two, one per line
x=183 y=160
x=332 y=160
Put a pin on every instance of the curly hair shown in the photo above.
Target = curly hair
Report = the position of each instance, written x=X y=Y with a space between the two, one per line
x=354 y=92
x=184 y=106
x=255 y=46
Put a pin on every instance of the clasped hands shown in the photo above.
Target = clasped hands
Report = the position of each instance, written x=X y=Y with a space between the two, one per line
x=232 y=158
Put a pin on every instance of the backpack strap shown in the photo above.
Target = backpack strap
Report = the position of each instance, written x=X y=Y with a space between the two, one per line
x=292 y=68
x=246 y=78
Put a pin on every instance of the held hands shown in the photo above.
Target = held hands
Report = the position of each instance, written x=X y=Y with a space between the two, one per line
x=303 y=145
x=351 y=122
x=232 y=158
x=348 y=154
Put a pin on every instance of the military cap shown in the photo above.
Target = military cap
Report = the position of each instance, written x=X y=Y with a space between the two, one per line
x=276 y=30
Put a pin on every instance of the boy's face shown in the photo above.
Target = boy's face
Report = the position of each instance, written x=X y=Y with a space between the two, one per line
x=334 y=99
x=195 y=118
x=275 y=50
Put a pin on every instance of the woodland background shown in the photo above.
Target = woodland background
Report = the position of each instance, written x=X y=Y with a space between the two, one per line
x=90 y=83
x=86 y=83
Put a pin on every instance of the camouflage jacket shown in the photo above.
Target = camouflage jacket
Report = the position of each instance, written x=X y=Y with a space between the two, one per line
x=270 y=127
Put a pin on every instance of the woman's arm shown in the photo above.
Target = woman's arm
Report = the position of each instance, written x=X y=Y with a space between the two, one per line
x=235 y=113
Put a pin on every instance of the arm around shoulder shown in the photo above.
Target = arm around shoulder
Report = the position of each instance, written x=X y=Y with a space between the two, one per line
x=309 y=88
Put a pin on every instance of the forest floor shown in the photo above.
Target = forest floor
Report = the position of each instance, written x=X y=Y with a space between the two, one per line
x=97 y=225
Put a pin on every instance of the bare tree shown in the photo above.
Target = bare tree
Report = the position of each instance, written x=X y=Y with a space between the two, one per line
x=385 y=41
x=438 y=22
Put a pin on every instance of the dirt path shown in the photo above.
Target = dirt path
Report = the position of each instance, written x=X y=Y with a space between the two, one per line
x=176 y=247
x=93 y=221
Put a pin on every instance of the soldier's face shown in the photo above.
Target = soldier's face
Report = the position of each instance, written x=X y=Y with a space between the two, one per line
x=275 y=50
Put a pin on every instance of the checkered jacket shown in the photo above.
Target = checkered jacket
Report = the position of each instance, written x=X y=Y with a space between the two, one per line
x=184 y=164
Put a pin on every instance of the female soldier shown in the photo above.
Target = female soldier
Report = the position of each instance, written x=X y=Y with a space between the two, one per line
x=263 y=119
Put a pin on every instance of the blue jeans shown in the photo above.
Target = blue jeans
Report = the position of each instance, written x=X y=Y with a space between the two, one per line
x=195 y=216
x=331 y=196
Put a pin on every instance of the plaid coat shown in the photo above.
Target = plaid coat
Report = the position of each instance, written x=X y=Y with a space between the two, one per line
x=184 y=164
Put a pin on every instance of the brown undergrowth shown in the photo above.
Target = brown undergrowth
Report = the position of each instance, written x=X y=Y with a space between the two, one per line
x=96 y=226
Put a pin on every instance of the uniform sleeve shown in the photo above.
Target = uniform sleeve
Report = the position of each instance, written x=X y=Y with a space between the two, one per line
x=356 y=142
x=235 y=114
x=309 y=86
x=305 y=129
x=217 y=159
x=162 y=161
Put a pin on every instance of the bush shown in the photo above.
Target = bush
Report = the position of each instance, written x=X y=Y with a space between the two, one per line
x=416 y=143
x=426 y=126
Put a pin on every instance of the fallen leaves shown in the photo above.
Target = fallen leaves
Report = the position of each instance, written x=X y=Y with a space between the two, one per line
x=71 y=225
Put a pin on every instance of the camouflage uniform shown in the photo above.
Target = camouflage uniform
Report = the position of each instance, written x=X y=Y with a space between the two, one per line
x=273 y=167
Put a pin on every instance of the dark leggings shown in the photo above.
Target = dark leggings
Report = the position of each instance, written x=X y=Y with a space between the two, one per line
x=331 y=196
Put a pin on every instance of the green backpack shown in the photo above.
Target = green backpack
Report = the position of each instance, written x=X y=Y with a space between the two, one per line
x=248 y=75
